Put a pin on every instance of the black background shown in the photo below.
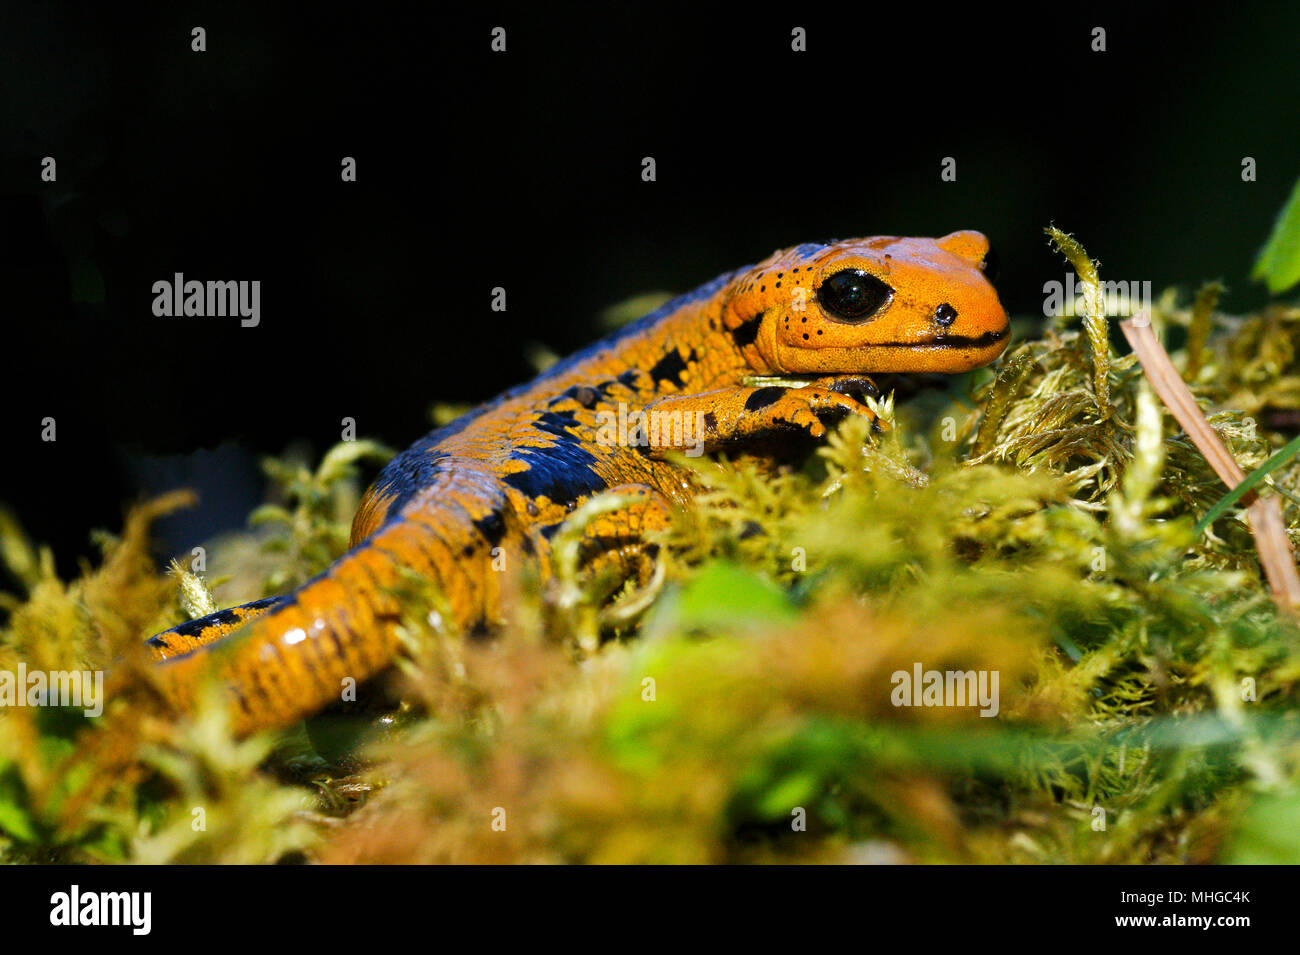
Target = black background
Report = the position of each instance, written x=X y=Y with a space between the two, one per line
x=522 y=169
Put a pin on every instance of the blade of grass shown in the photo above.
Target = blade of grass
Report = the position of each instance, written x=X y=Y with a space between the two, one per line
x=1251 y=480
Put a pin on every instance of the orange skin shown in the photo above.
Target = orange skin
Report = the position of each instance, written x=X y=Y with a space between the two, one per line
x=905 y=337
x=493 y=487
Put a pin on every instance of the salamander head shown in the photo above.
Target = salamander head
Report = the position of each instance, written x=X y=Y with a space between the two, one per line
x=882 y=304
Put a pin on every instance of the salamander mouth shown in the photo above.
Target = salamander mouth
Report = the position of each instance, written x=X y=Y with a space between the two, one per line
x=938 y=343
x=952 y=341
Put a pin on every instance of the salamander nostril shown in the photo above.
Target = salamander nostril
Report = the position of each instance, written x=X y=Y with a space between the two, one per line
x=945 y=314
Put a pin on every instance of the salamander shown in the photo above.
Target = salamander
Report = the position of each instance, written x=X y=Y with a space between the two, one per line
x=500 y=480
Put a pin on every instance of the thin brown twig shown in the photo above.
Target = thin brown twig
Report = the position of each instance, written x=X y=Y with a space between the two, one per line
x=1266 y=523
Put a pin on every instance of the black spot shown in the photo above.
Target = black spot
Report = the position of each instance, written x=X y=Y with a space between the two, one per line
x=762 y=397
x=548 y=531
x=557 y=423
x=751 y=529
x=746 y=332
x=222 y=618
x=629 y=378
x=670 y=368
x=858 y=387
x=711 y=422
x=467 y=550
x=563 y=472
x=492 y=526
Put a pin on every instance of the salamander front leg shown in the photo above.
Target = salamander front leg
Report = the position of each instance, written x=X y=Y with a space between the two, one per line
x=713 y=419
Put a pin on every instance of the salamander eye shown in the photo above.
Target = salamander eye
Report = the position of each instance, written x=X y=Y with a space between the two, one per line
x=853 y=295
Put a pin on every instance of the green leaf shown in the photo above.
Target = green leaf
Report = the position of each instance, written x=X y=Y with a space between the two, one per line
x=1278 y=264
x=724 y=594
